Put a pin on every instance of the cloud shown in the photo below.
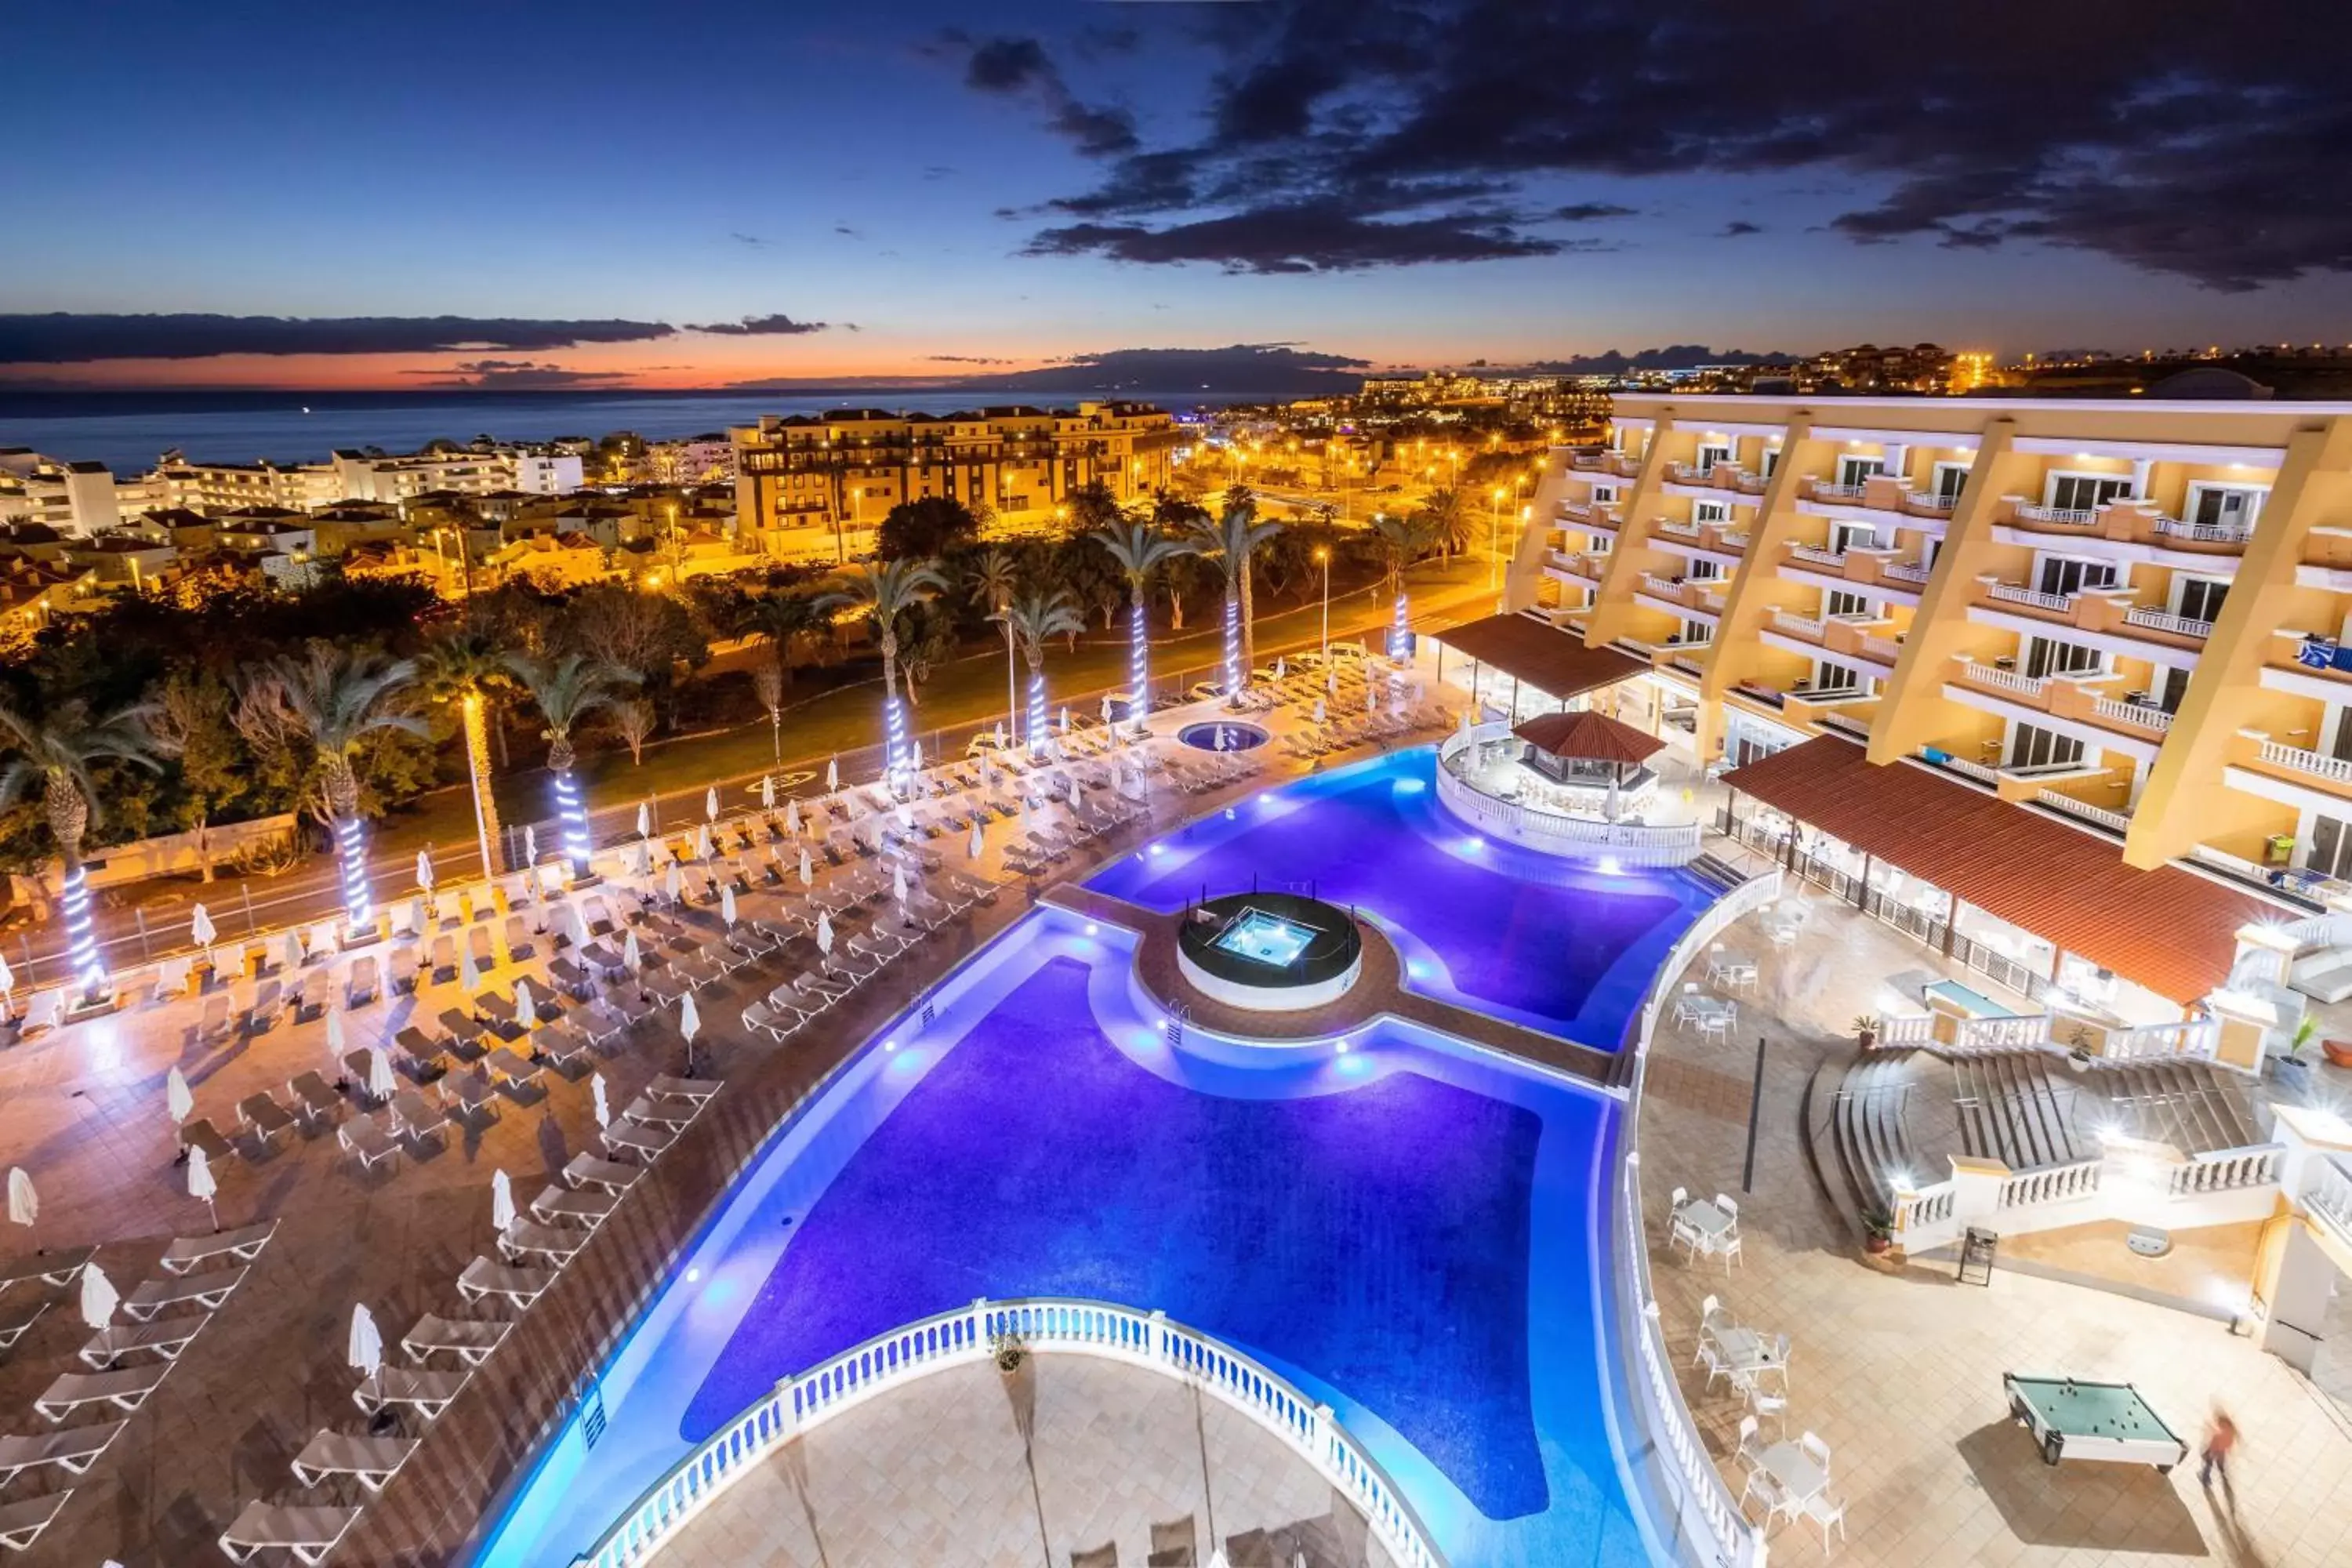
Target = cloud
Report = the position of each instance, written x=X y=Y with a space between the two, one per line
x=516 y=374
x=1586 y=212
x=2170 y=145
x=847 y=232
x=965 y=358
x=1740 y=227
x=64 y=338
x=1236 y=367
x=1019 y=68
x=751 y=239
x=762 y=327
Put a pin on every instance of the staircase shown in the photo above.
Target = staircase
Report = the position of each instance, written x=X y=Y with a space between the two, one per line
x=1712 y=867
x=2186 y=1104
x=1868 y=1128
x=2011 y=1109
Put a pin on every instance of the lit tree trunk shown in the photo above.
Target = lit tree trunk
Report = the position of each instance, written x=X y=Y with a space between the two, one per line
x=1232 y=644
x=68 y=815
x=1139 y=660
x=478 y=765
x=1035 y=658
x=342 y=792
x=1249 y=625
x=894 y=713
x=570 y=811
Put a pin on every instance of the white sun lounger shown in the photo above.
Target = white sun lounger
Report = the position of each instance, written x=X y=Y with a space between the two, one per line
x=557 y=1245
x=15 y=1319
x=561 y=1205
x=167 y=1339
x=244 y=1245
x=370 y=1141
x=21 y=1523
x=372 y=1461
x=588 y=1171
x=520 y=1286
x=674 y=1114
x=126 y=1390
x=697 y=1089
x=430 y=1392
x=209 y=1291
x=59 y=1268
x=638 y=1138
x=309 y=1533
x=75 y=1449
x=469 y=1340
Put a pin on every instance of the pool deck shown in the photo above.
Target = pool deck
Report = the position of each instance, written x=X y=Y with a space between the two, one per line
x=85 y=1116
x=1379 y=992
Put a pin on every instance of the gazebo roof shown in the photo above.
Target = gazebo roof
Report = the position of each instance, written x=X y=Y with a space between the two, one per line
x=1588 y=736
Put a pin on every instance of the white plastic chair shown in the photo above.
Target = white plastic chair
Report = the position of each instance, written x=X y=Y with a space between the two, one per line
x=1750 y=1449
x=1825 y=1511
x=1816 y=1450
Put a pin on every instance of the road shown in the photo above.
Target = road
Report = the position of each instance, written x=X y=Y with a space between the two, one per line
x=139 y=922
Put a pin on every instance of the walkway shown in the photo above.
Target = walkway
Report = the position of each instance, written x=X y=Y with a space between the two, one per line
x=1069 y=1461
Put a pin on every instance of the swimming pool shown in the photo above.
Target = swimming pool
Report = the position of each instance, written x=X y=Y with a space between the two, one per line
x=1427 y=1259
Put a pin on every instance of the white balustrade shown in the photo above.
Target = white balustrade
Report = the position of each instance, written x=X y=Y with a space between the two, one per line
x=2202 y=533
x=2000 y=680
x=2115 y=821
x=1882 y=650
x=2318 y=764
x=2327 y=1192
x=2163 y=621
x=1935 y=505
x=1973 y=770
x=2053 y=1185
x=1903 y=572
x=1664 y=587
x=2013 y=593
x=1837 y=493
x=1576 y=510
x=2227 y=1171
x=2060 y=516
x=1908 y=1029
x=1795 y=625
x=1815 y=556
x=967 y=1335
x=1677 y=530
x=2140 y=715
x=2019 y=1032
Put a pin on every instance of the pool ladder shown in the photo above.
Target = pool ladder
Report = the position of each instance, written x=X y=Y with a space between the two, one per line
x=1171 y=1028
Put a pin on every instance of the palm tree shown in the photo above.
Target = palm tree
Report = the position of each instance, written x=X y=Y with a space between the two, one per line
x=995 y=578
x=1140 y=550
x=467 y=667
x=55 y=754
x=1402 y=540
x=883 y=591
x=565 y=691
x=1231 y=540
x=1448 y=524
x=776 y=619
x=1031 y=618
x=334 y=697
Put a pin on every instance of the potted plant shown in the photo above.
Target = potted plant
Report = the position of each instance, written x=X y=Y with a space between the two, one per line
x=2292 y=1065
x=1878 y=1231
x=1865 y=1031
x=2078 y=1050
x=1004 y=1347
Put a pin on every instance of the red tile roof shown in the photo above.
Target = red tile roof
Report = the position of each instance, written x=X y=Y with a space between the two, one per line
x=1540 y=654
x=1588 y=736
x=2168 y=930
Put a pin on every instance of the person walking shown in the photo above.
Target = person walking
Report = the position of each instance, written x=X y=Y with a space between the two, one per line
x=2221 y=1436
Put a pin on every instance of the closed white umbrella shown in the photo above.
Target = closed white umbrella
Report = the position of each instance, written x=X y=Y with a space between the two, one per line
x=336 y=1045
x=974 y=845
x=1074 y=792
x=526 y=1009
x=1371 y=697
x=832 y=775
x=672 y=883
x=690 y=1018
x=767 y=792
x=98 y=1297
x=824 y=931
x=291 y=950
x=24 y=1202
x=808 y=870
x=364 y=1347
x=469 y=974
x=416 y=914
x=702 y=842
x=987 y=771
x=632 y=955
x=1064 y=725
x=424 y=869
x=381 y=1084
x=502 y=1209
x=1319 y=709
x=176 y=1098
x=898 y=882
x=645 y=821
x=201 y=1184
x=200 y=926
x=915 y=755
x=529 y=845
x=1281 y=667
x=792 y=817
x=604 y=1107
x=906 y=815
x=576 y=918
x=727 y=903
x=1106 y=708
x=710 y=802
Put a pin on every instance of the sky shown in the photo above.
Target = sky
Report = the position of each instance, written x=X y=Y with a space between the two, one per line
x=693 y=195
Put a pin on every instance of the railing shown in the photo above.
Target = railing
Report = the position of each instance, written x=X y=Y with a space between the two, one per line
x=1804 y=626
x=1552 y=833
x=2202 y=533
x=2144 y=715
x=967 y=1335
x=1664 y=587
x=1837 y=493
x=1688 y=473
x=1677 y=530
x=2318 y=764
x=1576 y=510
x=1979 y=771
x=2163 y=621
x=2114 y=821
x=1688 y=665
x=1816 y=555
x=2188 y=1038
x=1882 y=650
x=1752 y=484
x=1902 y=572
x=2018 y=1032
x=2226 y=1171
x=1992 y=675
x=2327 y=1192
x=2061 y=517
x=1930 y=1206
x=1734 y=539
x=2013 y=594
x=1908 y=1029
x=2053 y=1185
x=1933 y=505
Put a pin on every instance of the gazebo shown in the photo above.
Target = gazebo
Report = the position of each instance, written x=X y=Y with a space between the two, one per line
x=1587 y=751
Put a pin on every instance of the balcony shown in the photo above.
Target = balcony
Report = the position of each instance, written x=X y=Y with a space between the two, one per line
x=1815 y=556
x=1625 y=466
x=1853 y=637
x=1684 y=530
x=1704 y=594
x=1804 y=628
x=1598 y=514
x=1588 y=462
x=2107 y=611
x=1822 y=490
x=2070 y=697
x=1939 y=506
x=1581 y=565
x=2114 y=822
x=2182 y=627
x=2257 y=753
x=1729 y=540
x=1751 y=484
x=2125 y=521
x=1688 y=473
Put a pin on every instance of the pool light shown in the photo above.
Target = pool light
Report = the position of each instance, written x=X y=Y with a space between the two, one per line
x=1092 y=928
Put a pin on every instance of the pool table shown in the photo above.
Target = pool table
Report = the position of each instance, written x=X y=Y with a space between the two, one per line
x=2071 y=1419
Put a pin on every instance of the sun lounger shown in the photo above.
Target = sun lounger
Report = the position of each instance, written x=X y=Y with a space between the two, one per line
x=588 y=1171
x=477 y=940
x=370 y=1141
x=125 y=1390
x=464 y=1032
x=359 y=988
x=518 y=939
x=207 y=1290
x=557 y=1245
x=15 y=1319
x=469 y=1340
x=637 y=1139
x=561 y=1044
x=520 y=1286
x=167 y=1339
x=244 y=1246
x=421 y=1053
x=503 y=1064
x=314 y=1098
x=57 y=1268
x=401 y=968
x=625 y=1001
x=413 y=1114
x=21 y=1523
x=263 y=1116
x=371 y=1461
x=73 y=1450
x=475 y=1094
x=694 y=1089
x=307 y=1534
x=569 y=976
x=427 y=1391
x=670 y=1113
x=202 y=1134
x=559 y=1206
x=761 y=1017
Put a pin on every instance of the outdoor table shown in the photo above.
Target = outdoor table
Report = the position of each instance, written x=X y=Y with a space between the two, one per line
x=2071 y=1419
x=1793 y=1471
x=1702 y=1216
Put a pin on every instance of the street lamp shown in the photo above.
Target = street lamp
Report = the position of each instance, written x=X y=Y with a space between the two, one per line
x=1494 y=533
x=1323 y=558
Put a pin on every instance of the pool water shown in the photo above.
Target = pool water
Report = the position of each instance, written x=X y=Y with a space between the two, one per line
x=1266 y=939
x=1558 y=947
x=1410 y=1229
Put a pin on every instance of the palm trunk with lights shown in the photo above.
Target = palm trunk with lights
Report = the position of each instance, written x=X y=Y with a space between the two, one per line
x=1037 y=731
x=894 y=713
x=68 y=821
x=478 y=763
x=571 y=809
x=342 y=792
x=1249 y=625
x=1139 y=660
x=1233 y=644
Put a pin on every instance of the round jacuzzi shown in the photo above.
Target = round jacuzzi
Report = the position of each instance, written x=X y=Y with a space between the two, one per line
x=1270 y=952
x=1223 y=735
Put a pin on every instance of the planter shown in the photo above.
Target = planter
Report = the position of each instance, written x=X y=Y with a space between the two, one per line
x=1876 y=1245
x=2339 y=1052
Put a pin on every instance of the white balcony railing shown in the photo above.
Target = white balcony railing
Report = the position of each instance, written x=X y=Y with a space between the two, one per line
x=2327 y=1192
x=2318 y=764
x=1881 y=650
x=1936 y=504
x=2163 y=621
x=2225 y=1171
x=2140 y=715
x=1675 y=529
x=2058 y=517
x=2114 y=821
x=1838 y=492
x=2203 y=532
x=2053 y=1185
x=964 y=1336
x=1903 y=572
x=1664 y=587
x=2013 y=593
x=1804 y=626
x=2188 y=1038
x=1996 y=678
x=1813 y=554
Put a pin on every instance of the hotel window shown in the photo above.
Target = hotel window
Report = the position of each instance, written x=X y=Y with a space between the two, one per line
x=2085 y=492
x=2048 y=655
x=1772 y=462
x=1710 y=453
x=1830 y=676
x=1852 y=471
x=1694 y=632
x=1837 y=602
x=1713 y=511
x=2032 y=747
x=2069 y=575
x=2224 y=506
x=1705 y=570
x=2198 y=598
x=1949 y=479
x=1845 y=536
x=1602 y=494
x=2331 y=848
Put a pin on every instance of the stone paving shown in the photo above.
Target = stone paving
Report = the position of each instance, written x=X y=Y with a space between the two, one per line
x=1070 y=1462
x=1899 y=1368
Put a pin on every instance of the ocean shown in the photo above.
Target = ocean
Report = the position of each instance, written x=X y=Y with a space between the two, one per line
x=128 y=431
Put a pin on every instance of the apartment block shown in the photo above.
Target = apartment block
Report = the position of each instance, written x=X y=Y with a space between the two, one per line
x=2137 y=616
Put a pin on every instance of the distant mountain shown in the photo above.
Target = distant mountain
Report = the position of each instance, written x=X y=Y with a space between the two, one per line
x=1675 y=356
x=1269 y=368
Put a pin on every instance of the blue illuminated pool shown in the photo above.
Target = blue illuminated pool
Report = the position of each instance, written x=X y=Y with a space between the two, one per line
x=1410 y=1230
x=1266 y=939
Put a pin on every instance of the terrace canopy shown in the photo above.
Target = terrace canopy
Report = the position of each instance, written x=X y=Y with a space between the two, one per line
x=1539 y=655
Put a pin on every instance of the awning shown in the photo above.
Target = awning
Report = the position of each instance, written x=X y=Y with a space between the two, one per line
x=2168 y=930
x=1544 y=657
x=1588 y=736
